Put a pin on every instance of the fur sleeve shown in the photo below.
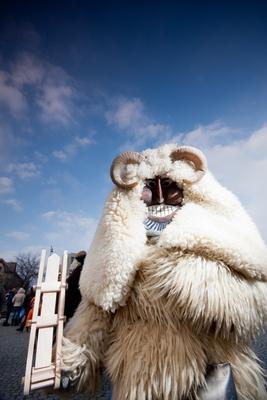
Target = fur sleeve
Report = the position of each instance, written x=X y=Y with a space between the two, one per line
x=209 y=294
x=84 y=344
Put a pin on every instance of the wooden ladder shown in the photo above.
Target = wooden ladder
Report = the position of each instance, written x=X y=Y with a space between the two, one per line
x=43 y=364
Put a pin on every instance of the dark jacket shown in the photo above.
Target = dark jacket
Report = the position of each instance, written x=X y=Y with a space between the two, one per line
x=73 y=294
x=9 y=299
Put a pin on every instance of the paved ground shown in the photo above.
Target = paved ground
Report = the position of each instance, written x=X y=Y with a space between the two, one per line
x=13 y=348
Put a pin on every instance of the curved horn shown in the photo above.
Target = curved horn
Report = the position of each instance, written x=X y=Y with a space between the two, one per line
x=194 y=156
x=128 y=157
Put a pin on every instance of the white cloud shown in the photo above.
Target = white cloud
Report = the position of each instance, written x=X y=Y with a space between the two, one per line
x=60 y=154
x=55 y=103
x=207 y=135
x=69 y=230
x=129 y=115
x=126 y=113
x=83 y=141
x=6 y=185
x=24 y=170
x=12 y=203
x=53 y=90
x=49 y=214
x=18 y=235
x=11 y=96
x=27 y=70
x=71 y=149
x=240 y=164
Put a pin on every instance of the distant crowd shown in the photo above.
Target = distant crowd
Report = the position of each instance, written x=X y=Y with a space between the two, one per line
x=16 y=308
x=16 y=305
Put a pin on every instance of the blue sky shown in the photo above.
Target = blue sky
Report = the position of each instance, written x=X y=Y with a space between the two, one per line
x=82 y=82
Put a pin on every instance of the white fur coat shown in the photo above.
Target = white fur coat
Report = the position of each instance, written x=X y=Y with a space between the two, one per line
x=203 y=281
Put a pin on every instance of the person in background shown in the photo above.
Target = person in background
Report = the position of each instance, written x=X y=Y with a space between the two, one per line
x=9 y=305
x=73 y=295
x=2 y=298
x=29 y=314
x=17 y=301
x=26 y=306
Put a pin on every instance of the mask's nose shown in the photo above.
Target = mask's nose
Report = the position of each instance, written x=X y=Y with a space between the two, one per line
x=158 y=191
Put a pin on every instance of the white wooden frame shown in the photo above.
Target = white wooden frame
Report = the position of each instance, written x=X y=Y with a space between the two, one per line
x=41 y=369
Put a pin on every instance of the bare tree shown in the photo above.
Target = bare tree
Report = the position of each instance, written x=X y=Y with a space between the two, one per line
x=27 y=268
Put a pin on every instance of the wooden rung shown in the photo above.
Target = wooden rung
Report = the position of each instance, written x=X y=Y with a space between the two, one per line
x=43 y=374
x=46 y=320
x=47 y=287
x=39 y=385
x=52 y=366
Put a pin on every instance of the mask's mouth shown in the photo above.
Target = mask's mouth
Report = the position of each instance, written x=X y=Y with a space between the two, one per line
x=161 y=212
x=158 y=217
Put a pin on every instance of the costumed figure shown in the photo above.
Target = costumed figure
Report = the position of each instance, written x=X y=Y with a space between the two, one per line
x=174 y=281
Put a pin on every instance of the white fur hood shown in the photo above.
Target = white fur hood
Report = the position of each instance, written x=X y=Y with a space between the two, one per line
x=211 y=223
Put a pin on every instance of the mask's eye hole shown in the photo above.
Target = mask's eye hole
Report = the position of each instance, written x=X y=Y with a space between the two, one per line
x=151 y=183
x=166 y=182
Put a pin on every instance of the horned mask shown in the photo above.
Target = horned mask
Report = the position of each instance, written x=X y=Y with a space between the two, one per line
x=192 y=212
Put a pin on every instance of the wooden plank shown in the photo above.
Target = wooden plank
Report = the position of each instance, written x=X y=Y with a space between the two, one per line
x=40 y=385
x=50 y=287
x=61 y=303
x=43 y=374
x=46 y=321
x=27 y=380
x=45 y=335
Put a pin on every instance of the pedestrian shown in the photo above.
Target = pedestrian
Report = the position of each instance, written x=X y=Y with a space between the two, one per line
x=73 y=294
x=26 y=306
x=17 y=301
x=29 y=315
x=2 y=298
x=9 y=305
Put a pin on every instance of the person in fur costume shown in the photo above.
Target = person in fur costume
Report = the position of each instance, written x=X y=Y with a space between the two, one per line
x=174 y=281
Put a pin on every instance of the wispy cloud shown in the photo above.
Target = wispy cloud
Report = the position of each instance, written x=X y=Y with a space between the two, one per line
x=207 y=135
x=130 y=116
x=18 y=235
x=24 y=170
x=71 y=149
x=53 y=90
x=78 y=230
x=27 y=70
x=13 y=203
x=6 y=185
x=239 y=163
x=55 y=103
x=11 y=96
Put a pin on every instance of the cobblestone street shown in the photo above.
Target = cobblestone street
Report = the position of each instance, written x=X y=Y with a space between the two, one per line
x=13 y=348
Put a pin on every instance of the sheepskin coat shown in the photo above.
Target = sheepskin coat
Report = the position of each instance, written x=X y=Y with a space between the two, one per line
x=157 y=312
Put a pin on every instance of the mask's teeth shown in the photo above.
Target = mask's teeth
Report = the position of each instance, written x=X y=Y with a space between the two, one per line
x=160 y=210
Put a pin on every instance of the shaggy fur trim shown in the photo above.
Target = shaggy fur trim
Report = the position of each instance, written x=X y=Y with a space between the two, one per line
x=84 y=346
x=75 y=360
x=119 y=242
x=183 y=313
x=220 y=230
x=203 y=292
x=147 y=362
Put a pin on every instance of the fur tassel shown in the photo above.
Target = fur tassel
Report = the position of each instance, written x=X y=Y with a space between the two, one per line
x=84 y=346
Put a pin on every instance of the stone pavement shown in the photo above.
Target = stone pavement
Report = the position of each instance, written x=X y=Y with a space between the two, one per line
x=13 y=348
